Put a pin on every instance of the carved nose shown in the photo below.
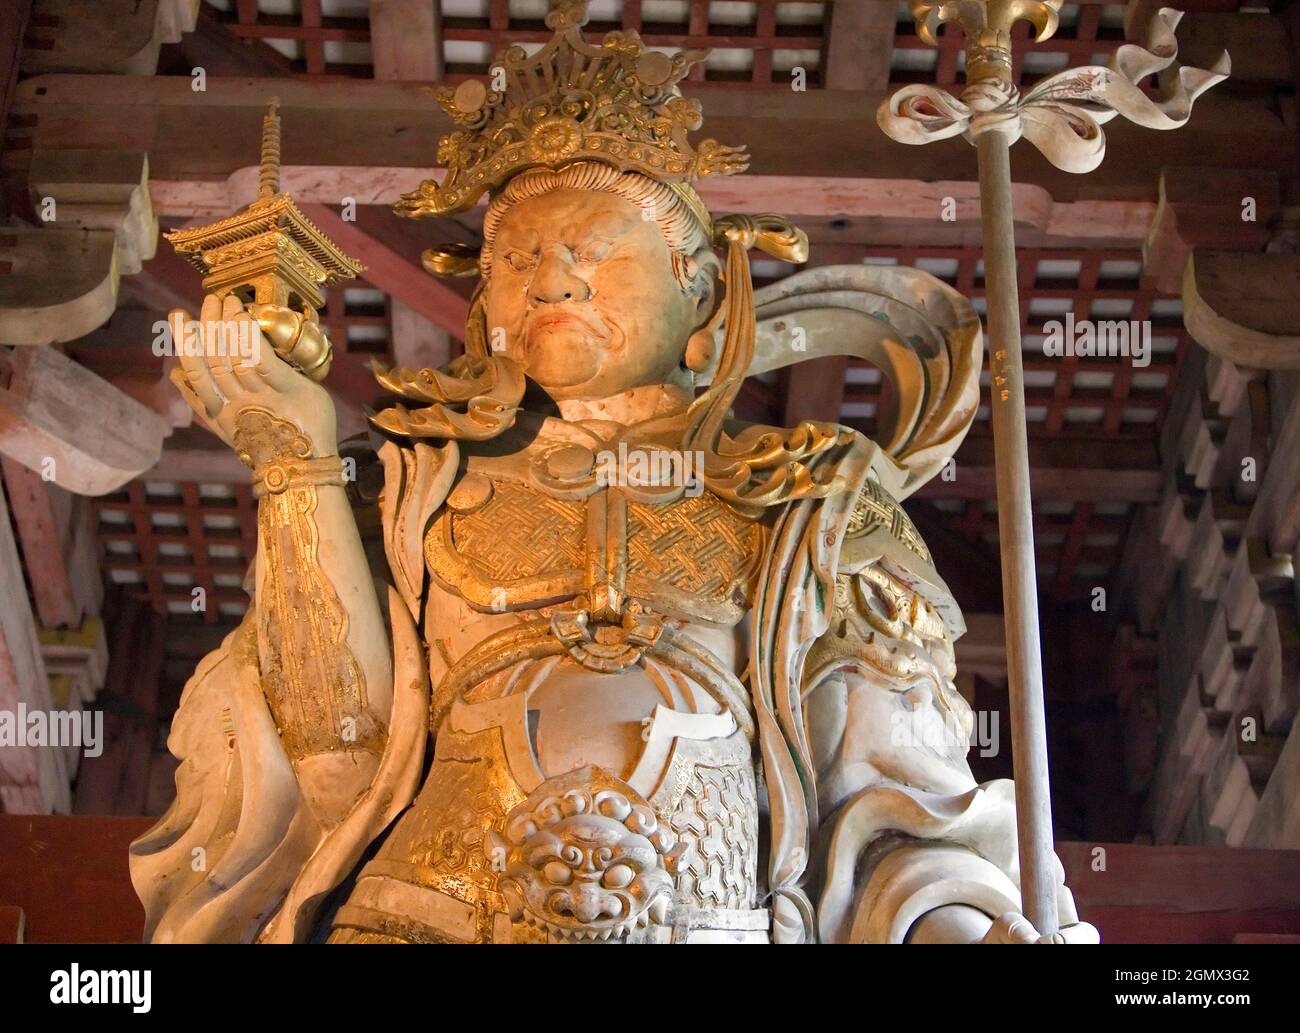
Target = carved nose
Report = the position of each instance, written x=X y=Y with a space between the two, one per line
x=555 y=282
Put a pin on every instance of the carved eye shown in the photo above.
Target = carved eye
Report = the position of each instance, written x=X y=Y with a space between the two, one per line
x=557 y=873
x=618 y=876
x=519 y=262
x=595 y=251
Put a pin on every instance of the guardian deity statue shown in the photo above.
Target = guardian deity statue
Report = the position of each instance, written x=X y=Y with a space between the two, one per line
x=599 y=662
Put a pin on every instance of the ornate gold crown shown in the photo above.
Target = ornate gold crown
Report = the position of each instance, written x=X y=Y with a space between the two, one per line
x=616 y=103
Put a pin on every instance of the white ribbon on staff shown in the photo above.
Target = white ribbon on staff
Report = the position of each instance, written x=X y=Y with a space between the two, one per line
x=1062 y=115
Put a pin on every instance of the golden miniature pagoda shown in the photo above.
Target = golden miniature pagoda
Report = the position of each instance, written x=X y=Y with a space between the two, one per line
x=270 y=253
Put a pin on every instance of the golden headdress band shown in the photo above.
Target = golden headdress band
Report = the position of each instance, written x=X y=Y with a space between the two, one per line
x=616 y=103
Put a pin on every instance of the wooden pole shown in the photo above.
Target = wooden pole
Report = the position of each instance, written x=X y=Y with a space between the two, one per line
x=1016 y=536
x=990 y=115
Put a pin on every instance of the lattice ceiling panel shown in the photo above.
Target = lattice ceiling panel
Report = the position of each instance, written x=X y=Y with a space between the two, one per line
x=162 y=540
x=1078 y=545
x=357 y=319
x=1062 y=394
x=754 y=41
x=758 y=42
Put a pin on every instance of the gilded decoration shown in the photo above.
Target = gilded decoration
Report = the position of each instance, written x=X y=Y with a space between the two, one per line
x=511 y=545
x=616 y=103
x=585 y=857
x=875 y=509
x=658 y=712
x=716 y=821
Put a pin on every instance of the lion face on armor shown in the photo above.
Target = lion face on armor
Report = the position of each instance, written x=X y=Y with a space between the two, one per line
x=586 y=861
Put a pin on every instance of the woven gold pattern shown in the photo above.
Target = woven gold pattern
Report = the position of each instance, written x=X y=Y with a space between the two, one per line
x=700 y=545
x=521 y=533
x=875 y=509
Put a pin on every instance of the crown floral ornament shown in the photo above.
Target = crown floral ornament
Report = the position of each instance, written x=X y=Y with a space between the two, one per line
x=615 y=102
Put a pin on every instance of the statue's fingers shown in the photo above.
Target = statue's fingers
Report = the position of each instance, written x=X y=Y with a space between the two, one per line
x=194 y=367
x=229 y=345
x=223 y=375
x=1079 y=932
x=178 y=320
x=1018 y=928
x=218 y=342
x=213 y=326
x=275 y=372
x=247 y=357
x=211 y=308
x=279 y=328
x=177 y=376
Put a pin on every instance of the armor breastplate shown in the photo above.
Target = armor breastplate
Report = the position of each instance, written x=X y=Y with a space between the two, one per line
x=504 y=545
x=522 y=834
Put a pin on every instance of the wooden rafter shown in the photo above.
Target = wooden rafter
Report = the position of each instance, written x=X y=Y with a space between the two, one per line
x=405 y=40
x=392 y=126
x=219 y=52
x=393 y=273
x=859 y=45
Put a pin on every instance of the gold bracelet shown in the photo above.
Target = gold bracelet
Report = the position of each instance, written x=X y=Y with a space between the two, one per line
x=280 y=475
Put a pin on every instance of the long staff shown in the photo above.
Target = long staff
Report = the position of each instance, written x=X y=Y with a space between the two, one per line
x=1061 y=116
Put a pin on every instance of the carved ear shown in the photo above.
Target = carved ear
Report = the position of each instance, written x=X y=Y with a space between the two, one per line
x=703 y=350
x=702 y=347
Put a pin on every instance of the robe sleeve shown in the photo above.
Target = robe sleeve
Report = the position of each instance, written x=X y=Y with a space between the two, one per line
x=904 y=826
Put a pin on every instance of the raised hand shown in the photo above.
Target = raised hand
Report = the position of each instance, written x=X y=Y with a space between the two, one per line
x=234 y=388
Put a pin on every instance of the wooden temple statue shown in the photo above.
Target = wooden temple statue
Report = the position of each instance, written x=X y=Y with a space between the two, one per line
x=599 y=662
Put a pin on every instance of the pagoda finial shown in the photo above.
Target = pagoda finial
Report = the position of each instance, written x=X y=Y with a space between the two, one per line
x=270 y=253
x=269 y=181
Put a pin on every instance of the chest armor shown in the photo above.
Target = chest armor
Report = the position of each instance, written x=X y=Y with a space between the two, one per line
x=505 y=545
x=605 y=603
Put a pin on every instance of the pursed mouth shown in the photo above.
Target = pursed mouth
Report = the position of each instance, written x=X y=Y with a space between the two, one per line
x=558 y=320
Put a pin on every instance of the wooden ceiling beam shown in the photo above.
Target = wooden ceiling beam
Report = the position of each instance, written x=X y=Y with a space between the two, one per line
x=406 y=40
x=73 y=427
x=219 y=52
x=1226 y=209
x=813 y=390
x=13 y=25
x=1090 y=484
x=878 y=210
x=33 y=780
x=1072 y=469
x=417 y=342
x=392 y=273
x=392 y=125
x=859 y=44
x=44 y=518
x=165 y=282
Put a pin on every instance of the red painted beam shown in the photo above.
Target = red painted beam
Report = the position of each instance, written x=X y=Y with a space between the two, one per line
x=69 y=875
x=1182 y=894
x=390 y=272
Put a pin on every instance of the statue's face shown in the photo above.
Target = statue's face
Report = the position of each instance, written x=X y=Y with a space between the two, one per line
x=583 y=288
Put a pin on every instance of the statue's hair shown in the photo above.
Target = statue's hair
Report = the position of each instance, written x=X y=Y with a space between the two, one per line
x=680 y=215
